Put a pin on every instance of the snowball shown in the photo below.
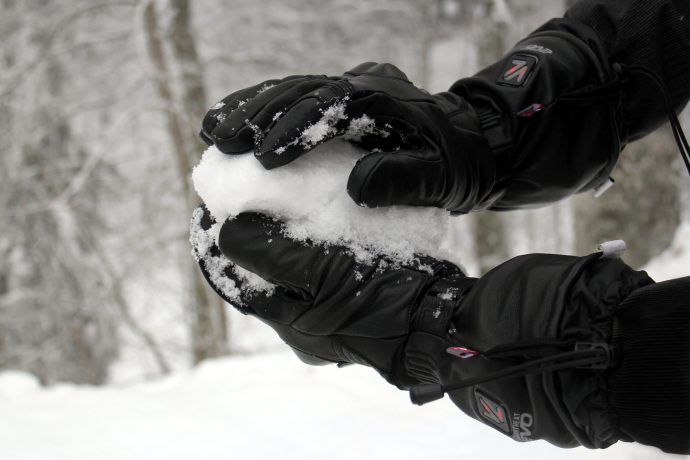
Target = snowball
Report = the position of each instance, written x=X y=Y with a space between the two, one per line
x=309 y=195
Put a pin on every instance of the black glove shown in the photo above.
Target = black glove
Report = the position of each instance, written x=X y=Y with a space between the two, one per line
x=573 y=350
x=429 y=150
x=327 y=306
x=540 y=124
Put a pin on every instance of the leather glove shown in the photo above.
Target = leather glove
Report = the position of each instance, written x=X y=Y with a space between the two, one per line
x=427 y=149
x=328 y=306
x=536 y=126
x=528 y=349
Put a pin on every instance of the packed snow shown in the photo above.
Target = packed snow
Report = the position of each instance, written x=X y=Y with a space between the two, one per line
x=309 y=195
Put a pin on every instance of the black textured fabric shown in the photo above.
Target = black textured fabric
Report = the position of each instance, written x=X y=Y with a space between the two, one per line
x=571 y=141
x=592 y=99
x=542 y=299
x=650 y=33
x=651 y=386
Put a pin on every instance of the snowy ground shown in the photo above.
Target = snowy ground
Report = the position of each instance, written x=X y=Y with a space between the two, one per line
x=267 y=406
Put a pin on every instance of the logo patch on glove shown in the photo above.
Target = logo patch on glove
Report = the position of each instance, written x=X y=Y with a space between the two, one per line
x=492 y=411
x=517 y=70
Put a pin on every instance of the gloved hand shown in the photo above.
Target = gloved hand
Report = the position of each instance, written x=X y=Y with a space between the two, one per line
x=428 y=149
x=560 y=348
x=538 y=125
x=326 y=305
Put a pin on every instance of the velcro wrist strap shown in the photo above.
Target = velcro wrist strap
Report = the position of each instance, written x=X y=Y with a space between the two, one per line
x=439 y=303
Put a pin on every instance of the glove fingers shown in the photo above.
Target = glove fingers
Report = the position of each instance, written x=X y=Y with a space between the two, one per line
x=243 y=127
x=404 y=177
x=371 y=119
x=377 y=69
x=308 y=123
x=259 y=244
x=379 y=123
x=220 y=110
x=230 y=284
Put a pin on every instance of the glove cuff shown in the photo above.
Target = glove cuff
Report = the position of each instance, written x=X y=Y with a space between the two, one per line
x=650 y=394
x=432 y=328
x=533 y=106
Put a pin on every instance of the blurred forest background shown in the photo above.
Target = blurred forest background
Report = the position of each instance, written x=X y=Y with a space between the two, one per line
x=100 y=104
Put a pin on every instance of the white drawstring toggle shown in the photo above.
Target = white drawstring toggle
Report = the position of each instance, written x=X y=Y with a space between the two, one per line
x=612 y=249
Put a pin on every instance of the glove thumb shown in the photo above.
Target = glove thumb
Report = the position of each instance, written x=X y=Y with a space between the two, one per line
x=404 y=177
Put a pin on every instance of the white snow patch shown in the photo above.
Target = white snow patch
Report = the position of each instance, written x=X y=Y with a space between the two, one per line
x=359 y=127
x=218 y=105
x=253 y=282
x=216 y=266
x=310 y=196
x=15 y=384
x=325 y=127
x=263 y=407
x=449 y=294
x=264 y=88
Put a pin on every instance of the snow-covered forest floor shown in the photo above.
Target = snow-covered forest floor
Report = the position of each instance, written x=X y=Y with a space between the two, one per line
x=266 y=406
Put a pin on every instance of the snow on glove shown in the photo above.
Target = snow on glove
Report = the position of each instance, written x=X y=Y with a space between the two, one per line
x=325 y=304
x=561 y=348
x=536 y=126
x=427 y=149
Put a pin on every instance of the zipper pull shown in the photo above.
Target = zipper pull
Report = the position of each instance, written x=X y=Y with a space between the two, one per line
x=462 y=352
x=531 y=110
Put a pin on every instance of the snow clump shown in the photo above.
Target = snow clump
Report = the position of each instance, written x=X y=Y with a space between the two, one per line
x=309 y=195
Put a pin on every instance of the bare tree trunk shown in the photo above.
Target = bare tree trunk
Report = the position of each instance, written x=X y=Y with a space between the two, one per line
x=183 y=110
x=492 y=247
x=643 y=207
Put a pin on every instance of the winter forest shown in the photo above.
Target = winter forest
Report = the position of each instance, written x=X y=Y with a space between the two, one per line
x=110 y=339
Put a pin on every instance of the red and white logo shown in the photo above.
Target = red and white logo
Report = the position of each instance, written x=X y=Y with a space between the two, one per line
x=517 y=70
x=492 y=411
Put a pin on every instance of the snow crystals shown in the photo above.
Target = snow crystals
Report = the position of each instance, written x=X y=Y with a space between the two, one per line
x=359 y=127
x=216 y=266
x=258 y=135
x=324 y=128
x=449 y=294
x=265 y=87
x=309 y=196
